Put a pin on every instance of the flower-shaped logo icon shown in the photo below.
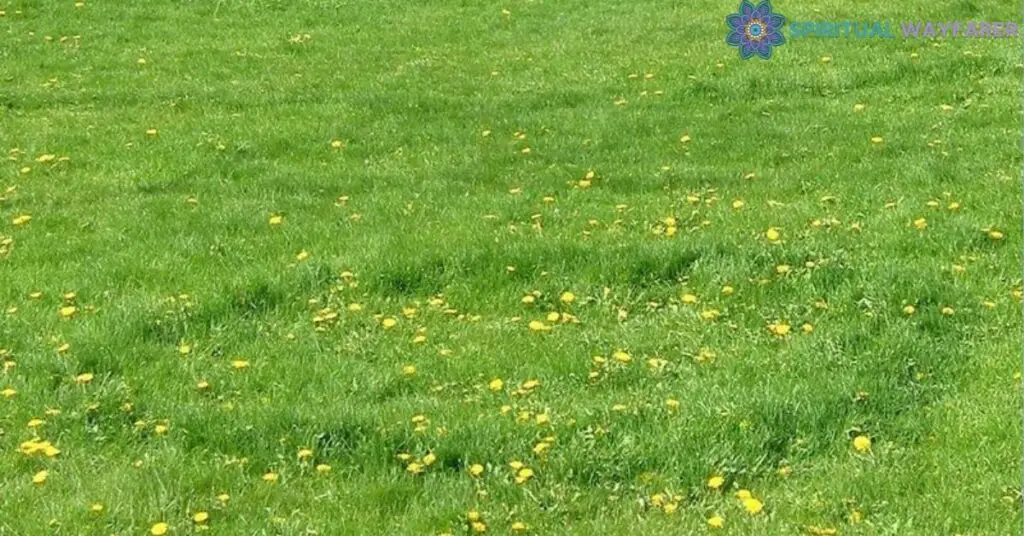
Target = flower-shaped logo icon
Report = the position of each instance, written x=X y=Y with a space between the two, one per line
x=755 y=29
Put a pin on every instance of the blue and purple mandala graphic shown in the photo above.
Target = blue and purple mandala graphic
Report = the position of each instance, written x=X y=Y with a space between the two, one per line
x=755 y=30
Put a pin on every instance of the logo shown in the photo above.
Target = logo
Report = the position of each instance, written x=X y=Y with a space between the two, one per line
x=755 y=30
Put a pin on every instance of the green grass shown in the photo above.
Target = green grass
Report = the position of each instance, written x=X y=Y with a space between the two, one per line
x=453 y=223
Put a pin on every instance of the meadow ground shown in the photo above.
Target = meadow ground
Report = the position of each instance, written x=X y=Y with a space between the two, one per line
x=312 y=267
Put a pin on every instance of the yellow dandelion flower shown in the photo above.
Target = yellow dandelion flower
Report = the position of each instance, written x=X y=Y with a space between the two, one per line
x=158 y=529
x=276 y=219
x=716 y=522
x=84 y=378
x=537 y=325
x=40 y=477
x=323 y=468
x=409 y=370
x=523 y=475
x=568 y=297
x=476 y=470
x=68 y=311
x=753 y=506
x=200 y=517
x=862 y=443
x=496 y=385
x=388 y=323
x=239 y=364
x=716 y=482
x=773 y=234
x=271 y=477
x=909 y=310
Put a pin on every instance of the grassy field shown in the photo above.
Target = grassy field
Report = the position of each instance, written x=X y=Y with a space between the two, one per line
x=566 y=268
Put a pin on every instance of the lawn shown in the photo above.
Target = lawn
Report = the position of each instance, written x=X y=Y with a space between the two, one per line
x=452 y=267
